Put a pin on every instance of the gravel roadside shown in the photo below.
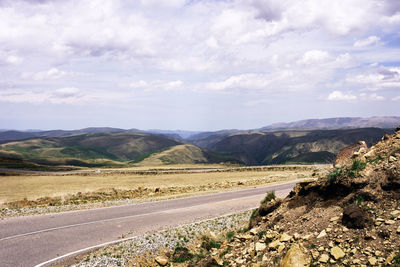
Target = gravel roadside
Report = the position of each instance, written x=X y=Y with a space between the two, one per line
x=143 y=248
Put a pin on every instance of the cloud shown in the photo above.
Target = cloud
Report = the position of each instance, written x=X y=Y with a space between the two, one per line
x=397 y=98
x=157 y=85
x=340 y=96
x=315 y=57
x=372 y=97
x=378 y=78
x=10 y=58
x=67 y=95
x=249 y=81
x=371 y=40
x=51 y=74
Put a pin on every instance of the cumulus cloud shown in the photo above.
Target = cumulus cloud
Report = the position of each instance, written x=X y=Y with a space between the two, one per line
x=371 y=40
x=340 y=96
x=315 y=57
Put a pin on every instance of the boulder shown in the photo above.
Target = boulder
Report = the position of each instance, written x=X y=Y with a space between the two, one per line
x=295 y=257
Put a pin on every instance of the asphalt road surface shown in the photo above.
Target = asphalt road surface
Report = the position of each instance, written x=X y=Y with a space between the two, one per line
x=33 y=240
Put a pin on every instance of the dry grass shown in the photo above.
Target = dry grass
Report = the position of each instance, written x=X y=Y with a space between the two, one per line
x=14 y=188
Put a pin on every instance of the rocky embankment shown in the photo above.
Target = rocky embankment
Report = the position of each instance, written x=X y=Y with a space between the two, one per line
x=351 y=217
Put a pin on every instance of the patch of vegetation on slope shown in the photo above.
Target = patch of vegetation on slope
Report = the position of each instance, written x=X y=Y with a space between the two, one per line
x=89 y=150
x=180 y=154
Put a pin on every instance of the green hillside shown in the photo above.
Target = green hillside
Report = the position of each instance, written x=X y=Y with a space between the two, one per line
x=180 y=154
x=100 y=149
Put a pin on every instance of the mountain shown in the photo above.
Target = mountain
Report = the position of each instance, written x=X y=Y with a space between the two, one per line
x=12 y=135
x=338 y=123
x=265 y=147
x=88 y=149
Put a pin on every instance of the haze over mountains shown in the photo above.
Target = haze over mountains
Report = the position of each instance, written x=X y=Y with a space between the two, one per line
x=307 y=141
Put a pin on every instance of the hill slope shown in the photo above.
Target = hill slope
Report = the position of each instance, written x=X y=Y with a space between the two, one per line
x=86 y=149
x=180 y=154
x=318 y=146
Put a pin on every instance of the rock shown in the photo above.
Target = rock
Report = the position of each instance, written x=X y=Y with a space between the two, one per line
x=315 y=254
x=390 y=222
x=307 y=237
x=295 y=257
x=372 y=261
x=254 y=231
x=322 y=234
x=337 y=253
x=285 y=237
x=334 y=219
x=161 y=260
x=345 y=155
x=398 y=230
x=390 y=258
x=354 y=217
x=281 y=248
x=324 y=258
x=274 y=244
x=260 y=246
x=296 y=236
x=392 y=159
x=395 y=212
x=244 y=237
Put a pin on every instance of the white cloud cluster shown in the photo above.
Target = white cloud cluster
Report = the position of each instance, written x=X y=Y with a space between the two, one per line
x=340 y=96
x=67 y=95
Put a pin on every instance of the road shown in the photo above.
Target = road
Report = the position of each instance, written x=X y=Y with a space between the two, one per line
x=32 y=240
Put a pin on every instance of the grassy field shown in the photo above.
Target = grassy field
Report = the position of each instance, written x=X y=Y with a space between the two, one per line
x=171 y=180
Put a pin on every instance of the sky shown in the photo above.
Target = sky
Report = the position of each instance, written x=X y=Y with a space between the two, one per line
x=196 y=64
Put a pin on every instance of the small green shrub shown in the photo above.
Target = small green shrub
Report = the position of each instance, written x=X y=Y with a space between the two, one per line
x=334 y=174
x=269 y=197
x=230 y=235
x=359 y=200
x=358 y=165
x=181 y=254
x=207 y=243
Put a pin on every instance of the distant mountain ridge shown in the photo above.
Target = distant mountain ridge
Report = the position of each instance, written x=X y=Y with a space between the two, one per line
x=386 y=122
